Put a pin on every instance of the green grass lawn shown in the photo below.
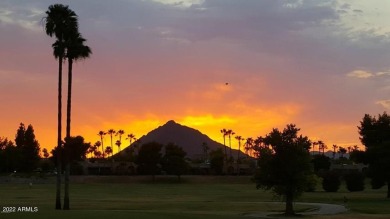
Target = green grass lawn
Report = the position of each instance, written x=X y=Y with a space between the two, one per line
x=195 y=197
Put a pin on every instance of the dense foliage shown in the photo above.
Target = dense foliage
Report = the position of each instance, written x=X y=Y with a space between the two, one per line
x=374 y=134
x=284 y=164
x=331 y=181
x=149 y=158
x=173 y=161
x=354 y=181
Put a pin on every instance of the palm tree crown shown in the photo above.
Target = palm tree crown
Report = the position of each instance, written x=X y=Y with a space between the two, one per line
x=75 y=48
x=60 y=21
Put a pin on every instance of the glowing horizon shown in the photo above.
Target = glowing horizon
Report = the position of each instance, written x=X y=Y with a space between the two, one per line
x=248 y=66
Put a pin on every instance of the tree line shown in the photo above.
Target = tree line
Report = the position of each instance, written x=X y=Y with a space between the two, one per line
x=285 y=162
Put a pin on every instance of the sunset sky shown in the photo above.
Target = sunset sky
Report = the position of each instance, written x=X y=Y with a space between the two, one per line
x=321 y=64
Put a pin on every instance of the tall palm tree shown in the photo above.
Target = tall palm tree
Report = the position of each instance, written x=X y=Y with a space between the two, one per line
x=224 y=133
x=249 y=146
x=131 y=137
x=314 y=146
x=75 y=50
x=239 y=139
x=118 y=143
x=59 y=22
x=120 y=132
x=111 y=132
x=102 y=134
x=334 y=150
x=321 y=147
x=230 y=133
x=342 y=151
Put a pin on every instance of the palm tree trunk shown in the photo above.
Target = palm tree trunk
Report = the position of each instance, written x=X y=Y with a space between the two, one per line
x=59 y=137
x=230 y=146
x=101 y=138
x=224 y=145
x=238 y=158
x=112 y=146
x=68 y=119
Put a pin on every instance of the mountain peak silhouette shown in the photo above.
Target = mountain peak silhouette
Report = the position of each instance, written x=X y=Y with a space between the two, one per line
x=171 y=122
x=191 y=140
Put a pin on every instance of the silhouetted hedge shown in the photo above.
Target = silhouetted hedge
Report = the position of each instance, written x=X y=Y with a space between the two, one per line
x=354 y=181
x=331 y=182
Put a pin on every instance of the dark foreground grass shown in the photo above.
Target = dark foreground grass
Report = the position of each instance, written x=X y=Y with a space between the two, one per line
x=195 y=197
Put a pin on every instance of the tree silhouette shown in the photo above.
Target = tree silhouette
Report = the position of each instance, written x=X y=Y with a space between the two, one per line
x=45 y=153
x=173 y=160
x=349 y=148
x=118 y=143
x=149 y=156
x=108 y=150
x=239 y=139
x=120 y=132
x=60 y=21
x=8 y=155
x=205 y=149
x=230 y=133
x=76 y=148
x=111 y=132
x=321 y=146
x=75 y=50
x=342 y=151
x=93 y=148
x=102 y=134
x=97 y=154
x=28 y=148
x=216 y=161
x=131 y=137
x=258 y=146
x=314 y=146
x=335 y=147
x=248 y=146
x=224 y=134
x=374 y=135
x=285 y=167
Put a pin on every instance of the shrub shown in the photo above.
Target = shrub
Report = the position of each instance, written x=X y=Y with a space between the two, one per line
x=355 y=181
x=312 y=183
x=320 y=162
x=331 y=182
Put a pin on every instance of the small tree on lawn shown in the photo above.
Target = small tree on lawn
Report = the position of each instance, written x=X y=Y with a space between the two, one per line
x=173 y=160
x=284 y=165
x=216 y=161
x=149 y=158
x=354 y=181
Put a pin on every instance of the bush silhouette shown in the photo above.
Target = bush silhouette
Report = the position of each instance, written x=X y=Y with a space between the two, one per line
x=355 y=181
x=331 y=182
